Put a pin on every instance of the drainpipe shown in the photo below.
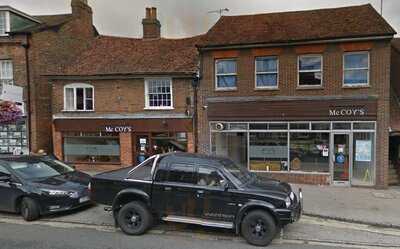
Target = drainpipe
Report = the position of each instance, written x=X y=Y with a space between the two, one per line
x=195 y=84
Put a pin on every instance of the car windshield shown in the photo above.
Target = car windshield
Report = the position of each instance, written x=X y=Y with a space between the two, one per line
x=40 y=169
x=241 y=174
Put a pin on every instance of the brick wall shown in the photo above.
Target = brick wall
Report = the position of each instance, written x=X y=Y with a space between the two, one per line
x=126 y=145
x=332 y=84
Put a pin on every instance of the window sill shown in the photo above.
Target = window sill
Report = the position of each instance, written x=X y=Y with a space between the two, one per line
x=226 y=89
x=356 y=86
x=309 y=88
x=95 y=163
x=77 y=111
x=293 y=172
x=266 y=89
x=158 y=108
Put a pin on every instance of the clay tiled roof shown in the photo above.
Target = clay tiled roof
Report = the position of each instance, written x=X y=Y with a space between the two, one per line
x=114 y=55
x=285 y=27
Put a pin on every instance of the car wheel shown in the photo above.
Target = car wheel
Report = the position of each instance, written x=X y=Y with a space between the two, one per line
x=29 y=209
x=258 y=228
x=134 y=218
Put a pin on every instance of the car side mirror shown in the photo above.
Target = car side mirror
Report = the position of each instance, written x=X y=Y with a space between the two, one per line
x=224 y=184
x=5 y=178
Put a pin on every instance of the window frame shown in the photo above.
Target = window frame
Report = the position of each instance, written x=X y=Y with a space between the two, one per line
x=344 y=70
x=75 y=86
x=12 y=71
x=266 y=73
x=310 y=71
x=7 y=24
x=216 y=74
x=146 y=94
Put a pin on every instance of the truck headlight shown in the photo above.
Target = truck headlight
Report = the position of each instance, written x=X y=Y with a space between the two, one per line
x=291 y=195
x=53 y=192
x=288 y=202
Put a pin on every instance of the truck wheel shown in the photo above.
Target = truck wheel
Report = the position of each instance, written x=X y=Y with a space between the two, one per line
x=258 y=228
x=29 y=209
x=134 y=218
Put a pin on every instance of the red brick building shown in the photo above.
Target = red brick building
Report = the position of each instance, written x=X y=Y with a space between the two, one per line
x=30 y=47
x=125 y=98
x=300 y=96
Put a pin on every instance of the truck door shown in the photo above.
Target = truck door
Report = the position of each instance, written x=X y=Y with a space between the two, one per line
x=216 y=202
x=176 y=194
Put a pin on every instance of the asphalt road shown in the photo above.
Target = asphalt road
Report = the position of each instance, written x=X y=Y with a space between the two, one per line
x=34 y=236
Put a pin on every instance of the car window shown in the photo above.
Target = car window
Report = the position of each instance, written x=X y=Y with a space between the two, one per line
x=4 y=171
x=207 y=176
x=181 y=173
x=39 y=169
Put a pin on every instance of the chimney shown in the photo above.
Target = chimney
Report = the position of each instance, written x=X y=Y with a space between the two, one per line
x=81 y=9
x=151 y=26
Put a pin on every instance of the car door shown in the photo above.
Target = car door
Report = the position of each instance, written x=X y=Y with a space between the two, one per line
x=217 y=202
x=179 y=190
x=9 y=192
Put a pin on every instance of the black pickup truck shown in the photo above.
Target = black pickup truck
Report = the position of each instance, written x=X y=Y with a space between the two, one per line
x=197 y=189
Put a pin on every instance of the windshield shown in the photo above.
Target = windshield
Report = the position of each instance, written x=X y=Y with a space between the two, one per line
x=40 y=169
x=241 y=174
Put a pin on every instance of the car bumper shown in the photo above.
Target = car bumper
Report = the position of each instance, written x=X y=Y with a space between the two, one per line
x=56 y=205
x=293 y=213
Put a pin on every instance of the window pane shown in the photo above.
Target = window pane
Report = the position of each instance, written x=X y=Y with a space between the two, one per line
x=267 y=64
x=208 y=177
x=321 y=126
x=258 y=126
x=310 y=63
x=89 y=104
x=268 y=151
x=79 y=99
x=232 y=145
x=226 y=81
x=3 y=22
x=359 y=60
x=226 y=66
x=309 y=152
x=364 y=157
x=300 y=126
x=181 y=173
x=341 y=126
x=277 y=126
x=89 y=93
x=6 y=72
x=91 y=149
x=363 y=126
x=356 y=76
x=310 y=78
x=238 y=126
x=267 y=80
x=69 y=99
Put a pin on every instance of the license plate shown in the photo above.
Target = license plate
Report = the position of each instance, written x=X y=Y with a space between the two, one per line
x=84 y=199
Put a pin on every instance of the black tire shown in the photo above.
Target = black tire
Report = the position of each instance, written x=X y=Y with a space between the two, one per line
x=134 y=218
x=29 y=209
x=258 y=228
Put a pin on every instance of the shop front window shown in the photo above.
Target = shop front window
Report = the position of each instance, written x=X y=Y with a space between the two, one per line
x=268 y=151
x=309 y=152
x=364 y=158
x=92 y=149
x=232 y=145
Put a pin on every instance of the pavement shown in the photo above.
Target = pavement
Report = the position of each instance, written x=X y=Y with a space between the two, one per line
x=359 y=205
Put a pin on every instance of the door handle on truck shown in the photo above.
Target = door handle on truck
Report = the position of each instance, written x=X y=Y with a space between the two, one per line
x=167 y=188
x=199 y=193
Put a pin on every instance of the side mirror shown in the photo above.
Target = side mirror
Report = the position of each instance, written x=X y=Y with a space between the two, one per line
x=5 y=178
x=224 y=184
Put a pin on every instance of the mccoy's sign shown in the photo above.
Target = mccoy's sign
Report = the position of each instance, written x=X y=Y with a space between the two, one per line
x=347 y=111
x=119 y=129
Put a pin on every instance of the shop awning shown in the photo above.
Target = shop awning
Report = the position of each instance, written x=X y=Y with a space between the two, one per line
x=394 y=114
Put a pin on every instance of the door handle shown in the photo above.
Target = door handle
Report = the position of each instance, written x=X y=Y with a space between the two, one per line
x=167 y=188
x=199 y=193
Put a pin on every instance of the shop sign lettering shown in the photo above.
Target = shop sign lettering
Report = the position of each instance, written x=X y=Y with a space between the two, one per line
x=120 y=129
x=342 y=112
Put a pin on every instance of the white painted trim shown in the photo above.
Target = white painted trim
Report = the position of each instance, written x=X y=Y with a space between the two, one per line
x=225 y=74
x=347 y=85
x=146 y=94
x=74 y=86
x=256 y=73
x=305 y=71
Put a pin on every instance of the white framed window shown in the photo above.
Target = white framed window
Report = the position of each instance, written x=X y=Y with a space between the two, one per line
x=78 y=97
x=356 y=69
x=267 y=72
x=4 y=23
x=310 y=72
x=158 y=94
x=226 y=74
x=6 y=72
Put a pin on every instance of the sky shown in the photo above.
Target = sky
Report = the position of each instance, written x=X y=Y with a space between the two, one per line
x=180 y=18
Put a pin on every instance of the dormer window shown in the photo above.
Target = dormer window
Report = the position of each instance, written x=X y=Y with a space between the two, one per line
x=78 y=97
x=4 y=23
